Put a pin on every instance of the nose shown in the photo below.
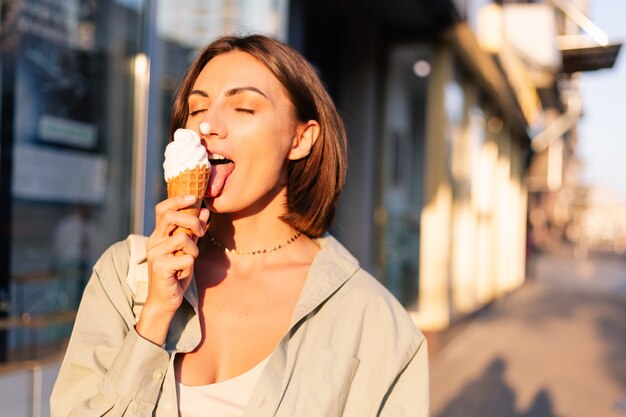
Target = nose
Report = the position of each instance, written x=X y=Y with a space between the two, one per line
x=212 y=125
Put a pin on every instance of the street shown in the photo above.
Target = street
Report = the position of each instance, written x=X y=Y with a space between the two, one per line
x=556 y=347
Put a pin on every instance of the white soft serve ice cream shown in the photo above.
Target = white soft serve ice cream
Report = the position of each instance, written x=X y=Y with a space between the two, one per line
x=183 y=153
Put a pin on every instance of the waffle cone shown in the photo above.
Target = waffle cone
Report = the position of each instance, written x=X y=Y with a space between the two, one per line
x=189 y=182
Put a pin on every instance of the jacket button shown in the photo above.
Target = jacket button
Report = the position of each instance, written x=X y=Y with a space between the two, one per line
x=157 y=375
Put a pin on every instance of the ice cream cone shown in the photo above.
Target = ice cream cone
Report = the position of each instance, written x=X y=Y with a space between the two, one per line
x=189 y=182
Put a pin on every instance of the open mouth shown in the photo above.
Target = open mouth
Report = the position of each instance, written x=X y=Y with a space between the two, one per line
x=218 y=159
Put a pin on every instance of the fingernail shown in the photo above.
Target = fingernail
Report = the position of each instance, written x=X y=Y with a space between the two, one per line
x=190 y=198
x=204 y=128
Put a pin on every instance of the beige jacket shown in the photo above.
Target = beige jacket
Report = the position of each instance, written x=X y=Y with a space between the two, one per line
x=351 y=350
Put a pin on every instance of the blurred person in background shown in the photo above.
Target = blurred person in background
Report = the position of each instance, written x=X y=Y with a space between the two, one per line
x=265 y=313
x=72 y=240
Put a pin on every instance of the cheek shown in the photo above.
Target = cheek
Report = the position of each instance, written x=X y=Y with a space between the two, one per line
x=266 y=166
x=268 y=140
x=284 y=135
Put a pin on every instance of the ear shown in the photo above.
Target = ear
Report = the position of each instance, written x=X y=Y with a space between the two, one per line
x=303 y=140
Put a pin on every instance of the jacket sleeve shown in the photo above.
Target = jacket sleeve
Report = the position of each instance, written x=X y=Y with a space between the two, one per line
x=409 y=394
x=108 y=369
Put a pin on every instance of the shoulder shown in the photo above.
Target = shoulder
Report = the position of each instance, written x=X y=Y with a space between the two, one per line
x=364 y=310
x=118 y=262
x=108 y=288
x=381 y=312
x=120 y=254
x=114 y=259
x=359 y=289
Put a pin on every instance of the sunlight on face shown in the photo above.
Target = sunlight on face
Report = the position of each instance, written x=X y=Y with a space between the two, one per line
x=251 y=130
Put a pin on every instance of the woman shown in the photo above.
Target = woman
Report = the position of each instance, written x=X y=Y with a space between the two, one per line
x=270 y=315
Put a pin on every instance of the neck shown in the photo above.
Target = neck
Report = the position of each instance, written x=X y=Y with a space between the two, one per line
x=249 y=233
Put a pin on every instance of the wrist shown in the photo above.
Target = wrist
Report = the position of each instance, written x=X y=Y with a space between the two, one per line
x=153 y=324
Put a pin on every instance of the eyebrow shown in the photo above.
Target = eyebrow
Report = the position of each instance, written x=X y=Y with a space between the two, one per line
x=231 y=92
x=238 y=90
x=198 y=92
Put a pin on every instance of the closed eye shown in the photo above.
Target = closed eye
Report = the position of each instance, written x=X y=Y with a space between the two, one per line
x=243 y=110
x=193 y=113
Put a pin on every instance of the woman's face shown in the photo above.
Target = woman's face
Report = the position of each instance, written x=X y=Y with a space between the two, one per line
x=251 y=133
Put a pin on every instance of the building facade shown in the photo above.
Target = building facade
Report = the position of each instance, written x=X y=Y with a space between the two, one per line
x=435 y=199
x=439 y=121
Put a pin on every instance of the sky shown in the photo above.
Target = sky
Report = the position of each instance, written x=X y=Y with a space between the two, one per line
x=602 y=130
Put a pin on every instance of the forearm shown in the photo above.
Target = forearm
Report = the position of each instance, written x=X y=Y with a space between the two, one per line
x=108 y=368
x=134 y=378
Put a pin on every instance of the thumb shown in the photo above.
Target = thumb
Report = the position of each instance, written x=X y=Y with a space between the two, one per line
x=204 y=221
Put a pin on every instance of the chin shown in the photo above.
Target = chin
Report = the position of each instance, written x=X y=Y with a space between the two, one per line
x=223 y=204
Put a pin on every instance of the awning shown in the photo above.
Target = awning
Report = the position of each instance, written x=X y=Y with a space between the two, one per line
x=589 y=52
x=589 y=58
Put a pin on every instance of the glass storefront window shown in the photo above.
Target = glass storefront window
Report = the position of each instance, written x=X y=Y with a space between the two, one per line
x=67 y=105
x=402 y=188
x=87 y=87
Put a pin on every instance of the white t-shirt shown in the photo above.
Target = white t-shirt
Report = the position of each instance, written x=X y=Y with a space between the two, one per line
x=227 y=398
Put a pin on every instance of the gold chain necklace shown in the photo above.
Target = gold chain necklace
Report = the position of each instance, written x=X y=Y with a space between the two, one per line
x=258 y=251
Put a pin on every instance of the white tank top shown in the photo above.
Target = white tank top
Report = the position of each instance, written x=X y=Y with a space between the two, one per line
x=227 y=398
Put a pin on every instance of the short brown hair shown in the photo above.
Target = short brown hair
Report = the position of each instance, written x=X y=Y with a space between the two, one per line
x=314 y=182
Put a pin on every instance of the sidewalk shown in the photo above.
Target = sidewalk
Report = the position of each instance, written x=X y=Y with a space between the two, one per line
x=554 y=348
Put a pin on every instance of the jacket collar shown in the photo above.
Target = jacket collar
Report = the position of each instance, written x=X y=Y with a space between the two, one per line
x=331 y=268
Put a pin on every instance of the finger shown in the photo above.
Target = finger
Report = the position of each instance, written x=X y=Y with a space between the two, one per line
x=187 y=245
x=185 y=274
x=174 y=203
x=204 y=223
x=170 y=265
x=161 y=247
x=204 y=215
x=194 y=222
x=186 y=220
x=157 y=237
x=171 y=220
x=174 y=243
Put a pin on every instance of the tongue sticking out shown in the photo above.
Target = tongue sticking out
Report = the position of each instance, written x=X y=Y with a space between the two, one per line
x=219 y=174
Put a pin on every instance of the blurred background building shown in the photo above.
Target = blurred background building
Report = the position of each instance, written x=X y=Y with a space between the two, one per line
x=461 y=117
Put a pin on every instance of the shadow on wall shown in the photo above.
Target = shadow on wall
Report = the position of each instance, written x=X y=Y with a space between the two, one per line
x=490 y=396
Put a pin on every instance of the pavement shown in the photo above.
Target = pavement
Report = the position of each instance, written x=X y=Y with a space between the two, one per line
x=556 y=347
